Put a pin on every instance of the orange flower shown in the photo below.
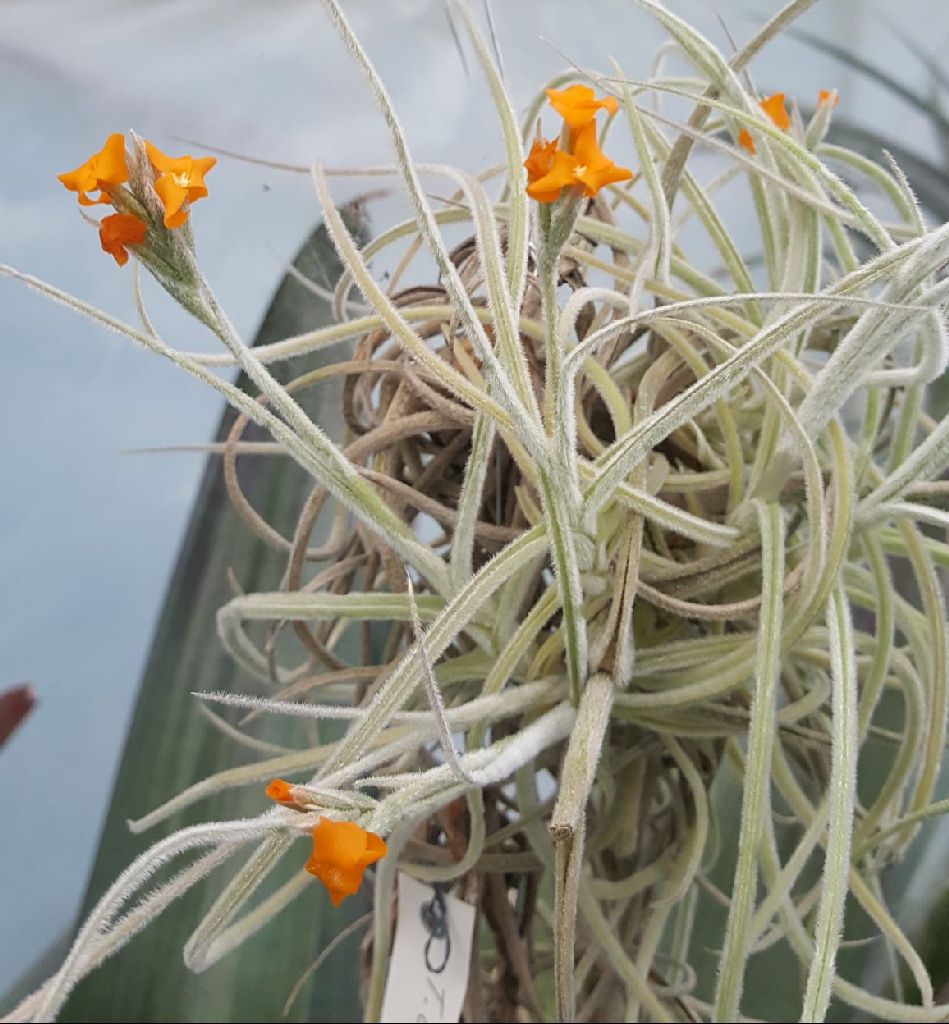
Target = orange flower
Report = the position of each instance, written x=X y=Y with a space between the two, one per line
x=119 y=230
x=547 y=188
x=107 y=167
x=280 y=791
x=745 y=140
x=180 y=180
x=540 y=160
x=774 y=107
x=585 y=168
x=578 y=104
x=830 y=96
x=594 y=169
x=341 y=853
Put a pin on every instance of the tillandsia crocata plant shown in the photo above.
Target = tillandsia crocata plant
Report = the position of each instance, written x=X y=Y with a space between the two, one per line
x=623 y=527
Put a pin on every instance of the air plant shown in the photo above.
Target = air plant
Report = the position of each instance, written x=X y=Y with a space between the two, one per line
x=603 y=529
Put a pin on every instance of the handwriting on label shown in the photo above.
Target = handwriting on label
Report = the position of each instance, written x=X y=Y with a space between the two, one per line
x=414 y=992
x=439 y=1002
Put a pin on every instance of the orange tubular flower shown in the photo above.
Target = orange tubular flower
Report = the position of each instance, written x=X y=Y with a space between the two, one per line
x=119 y=230
x=540 y=160
x=279 y=791
x=547 y=188
x=107 y=167
x=746 y=141
x=828 y=96
x=578 y=104
x=774 y=107
x=341 y=853
x=180 y=180
x=585 y=168
x=594 y=169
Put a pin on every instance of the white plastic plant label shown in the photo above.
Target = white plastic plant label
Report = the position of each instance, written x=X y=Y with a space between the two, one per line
x=428 y=970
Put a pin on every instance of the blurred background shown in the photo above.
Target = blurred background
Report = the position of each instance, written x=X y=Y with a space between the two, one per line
x=89 y=530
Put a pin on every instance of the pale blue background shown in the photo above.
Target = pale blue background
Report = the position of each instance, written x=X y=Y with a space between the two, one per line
x=87 y=533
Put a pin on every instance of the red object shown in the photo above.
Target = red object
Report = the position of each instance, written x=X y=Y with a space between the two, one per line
x=15 y=704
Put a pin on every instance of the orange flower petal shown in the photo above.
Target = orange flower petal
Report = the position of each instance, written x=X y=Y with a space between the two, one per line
x=173 y=196
x=376 y=848
x=175 y=220
x=540 y=160
x=828 y=96
x=746 y=141
x=279 y=790
x=196 y=192
x=339 y=882
x=82 y=179
x=544 y=195
x=201 y=165
x=85 y=200
x=774 y=107
x=578 y=104
x=107 y=167
x=600 y=177
x=119 y=230
x=547 y=188
x=110 y=161
x=338 y=842
x=586 y=150
x=160 y=161
x=593 y=168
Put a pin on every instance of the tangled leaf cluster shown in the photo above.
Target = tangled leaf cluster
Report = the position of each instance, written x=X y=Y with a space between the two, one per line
x=666 y=524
